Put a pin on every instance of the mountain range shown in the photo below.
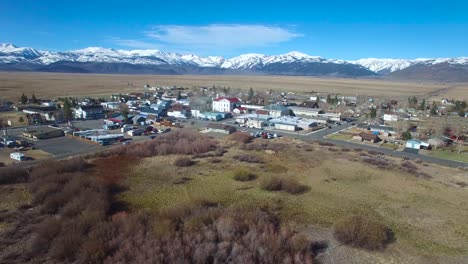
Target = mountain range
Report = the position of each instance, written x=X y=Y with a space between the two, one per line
x=103 y=60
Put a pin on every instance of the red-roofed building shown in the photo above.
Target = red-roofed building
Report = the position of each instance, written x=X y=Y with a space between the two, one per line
x=226 y=104
x=240 y=110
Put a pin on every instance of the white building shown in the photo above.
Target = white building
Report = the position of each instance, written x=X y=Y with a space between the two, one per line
x=255 y=123
x=305 y=111
x=390 y=117
x=225 y=104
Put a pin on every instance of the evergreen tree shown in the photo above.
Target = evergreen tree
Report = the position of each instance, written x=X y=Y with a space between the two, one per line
x=422 y=106
x=34 y=99
x=67 y=111
x=329 y=100
x=433 y=109
x=23 y=99
x=251 y=94
x=373 y=113
x=179 y=96
x=21 y=119
x=407 y=135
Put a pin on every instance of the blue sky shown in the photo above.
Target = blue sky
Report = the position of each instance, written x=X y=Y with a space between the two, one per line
x=331 y=29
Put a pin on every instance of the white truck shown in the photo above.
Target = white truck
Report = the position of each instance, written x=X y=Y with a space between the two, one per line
x=18 y=156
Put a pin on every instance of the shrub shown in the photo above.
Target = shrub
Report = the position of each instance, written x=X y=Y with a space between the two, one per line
x=248 y=158
x=215 y=160
x=278 y=183
x=13 y=174
x=244 y=175
x=241 y=137
x=326 y=144
x=409 y=166
x=183 y=162
x=345 y=149
x=363 y=232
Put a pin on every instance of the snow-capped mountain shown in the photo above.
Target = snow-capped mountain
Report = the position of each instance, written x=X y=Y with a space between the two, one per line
x=292 y=63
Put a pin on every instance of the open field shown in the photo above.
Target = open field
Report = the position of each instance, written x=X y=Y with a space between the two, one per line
x=50 y=85
x=449 y=154
x=428 y=215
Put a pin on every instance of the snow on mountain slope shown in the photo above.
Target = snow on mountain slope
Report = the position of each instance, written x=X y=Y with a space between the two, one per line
x=11 y=54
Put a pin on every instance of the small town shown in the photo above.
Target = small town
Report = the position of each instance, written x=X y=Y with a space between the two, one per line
x=36 y=128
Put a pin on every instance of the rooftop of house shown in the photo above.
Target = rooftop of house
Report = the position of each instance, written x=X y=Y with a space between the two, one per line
x=230 y=99
x=90 y=107
x=276 y=107
x=368 y=136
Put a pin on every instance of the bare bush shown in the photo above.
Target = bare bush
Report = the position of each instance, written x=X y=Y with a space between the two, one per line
x=279 y=183
x=363 y=232
x=244 y=175
x=183 y=162
x=241 y=137
x=13 y=174
x=248 y=158
x=379 y=162
x=326 y=144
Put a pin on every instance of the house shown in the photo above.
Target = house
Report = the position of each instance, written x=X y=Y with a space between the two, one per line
x=119 y=119
x=390 y=117
x=369 y=137
x=179 y=111
x=44 y=113
x=416 y=144
x=220 y=128
x=89 y=112
x=255 y=123
x=386 y=130
x=43 y=133
x=252 y=106
x=214 y=116
x=293 y=123
x=163 y=105
x=111 y=105
x=146 y=111
x=309 y=103
x=306 y=111
x=226 y=104
x=7 y=106
x=240 y=110
x=275 y=110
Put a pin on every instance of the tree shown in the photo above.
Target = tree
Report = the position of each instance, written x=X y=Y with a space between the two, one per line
x=422 y=106
x=179 y=96
x=59 y=106
x=373 y=113
x=329 y=100
x=23 y=99
x=461 y=113
x=34 y=99
x=434 y=108
x=67 y=111
x=21 y=119
x=407 y=135
x=124 y=111
x=251 y=94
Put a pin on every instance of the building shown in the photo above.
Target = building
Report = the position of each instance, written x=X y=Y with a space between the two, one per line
x=214 y=116
x=220 y=128
x=89 y=112
x=147 y=111
x=306 y=111
x=255 y=123
x=369 y=137
x=179 y=111
x=226 y=104
x=293 y=123
x=163 y=105
x=240 y=110
x=44 y=132
x=275 y=110
x=335 y=117
x=112 y=105
x=390 y=117
x=309 y=103
x=416 y=144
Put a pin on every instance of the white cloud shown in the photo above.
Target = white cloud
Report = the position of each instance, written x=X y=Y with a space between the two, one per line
x=226 y=36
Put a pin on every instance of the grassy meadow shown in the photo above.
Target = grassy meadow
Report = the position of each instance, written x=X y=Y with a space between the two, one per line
x=427 y=214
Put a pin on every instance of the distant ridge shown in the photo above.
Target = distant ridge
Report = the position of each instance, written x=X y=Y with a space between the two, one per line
x=103 y=60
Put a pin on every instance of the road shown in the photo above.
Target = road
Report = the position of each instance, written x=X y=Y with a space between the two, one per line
x=64 y=147
x=321 y=134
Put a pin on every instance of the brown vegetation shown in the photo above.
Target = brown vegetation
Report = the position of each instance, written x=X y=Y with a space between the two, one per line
x=13 y=174
x=183 y=162
x=248 y=158
x=363 y=232
x=281 y=183
x=241 y=137
x=244 y=175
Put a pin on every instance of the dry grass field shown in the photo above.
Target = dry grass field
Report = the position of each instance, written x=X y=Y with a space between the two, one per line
x=427 y=215
x=51 y=85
